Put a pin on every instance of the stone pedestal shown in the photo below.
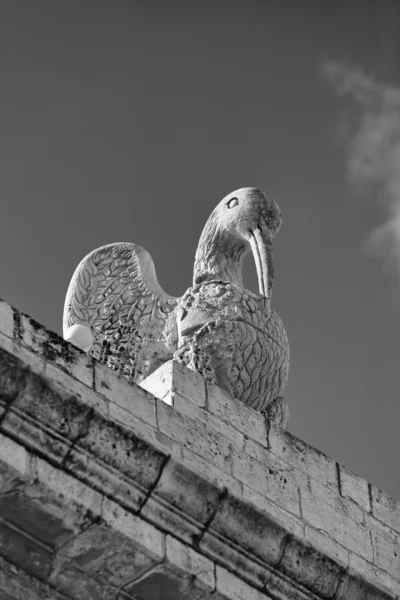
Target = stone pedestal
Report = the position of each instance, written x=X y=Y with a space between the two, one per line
x=170 y=490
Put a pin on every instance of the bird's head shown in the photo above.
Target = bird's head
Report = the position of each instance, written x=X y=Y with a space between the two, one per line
x=246 y=218
x=246 y=210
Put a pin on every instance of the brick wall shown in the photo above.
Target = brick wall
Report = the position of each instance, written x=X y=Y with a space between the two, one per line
x=340 y=513
x=307 y=495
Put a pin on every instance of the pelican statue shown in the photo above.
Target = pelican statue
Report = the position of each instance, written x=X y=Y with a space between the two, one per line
x=116 y=311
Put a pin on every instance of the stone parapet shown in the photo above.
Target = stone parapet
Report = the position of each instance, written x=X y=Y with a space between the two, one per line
x=169 y=490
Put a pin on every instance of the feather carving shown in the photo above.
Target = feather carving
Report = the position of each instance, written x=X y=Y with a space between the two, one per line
x=115 y=293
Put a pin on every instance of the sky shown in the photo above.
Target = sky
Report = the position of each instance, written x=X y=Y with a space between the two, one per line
x=130 y=121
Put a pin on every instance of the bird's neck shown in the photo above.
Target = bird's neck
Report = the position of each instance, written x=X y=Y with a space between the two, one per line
x=219 y=256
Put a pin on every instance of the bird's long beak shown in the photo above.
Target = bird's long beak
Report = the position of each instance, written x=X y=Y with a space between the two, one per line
x=261 y=246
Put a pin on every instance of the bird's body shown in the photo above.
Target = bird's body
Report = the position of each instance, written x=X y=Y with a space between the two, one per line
x=230 y=335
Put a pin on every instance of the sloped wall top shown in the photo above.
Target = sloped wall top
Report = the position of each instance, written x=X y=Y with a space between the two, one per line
x=169 y=490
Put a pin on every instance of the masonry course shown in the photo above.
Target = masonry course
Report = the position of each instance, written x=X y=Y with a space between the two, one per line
x=110 y=490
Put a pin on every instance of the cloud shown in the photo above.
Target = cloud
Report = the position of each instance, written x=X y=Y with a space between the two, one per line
x=373 y=149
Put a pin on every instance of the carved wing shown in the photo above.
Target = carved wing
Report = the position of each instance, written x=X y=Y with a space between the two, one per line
x=114 y=292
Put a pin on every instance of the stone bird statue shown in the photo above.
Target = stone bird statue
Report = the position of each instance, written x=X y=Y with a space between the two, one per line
x=116 y=310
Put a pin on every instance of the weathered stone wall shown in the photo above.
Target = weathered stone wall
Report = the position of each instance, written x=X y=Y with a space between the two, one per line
x=109 y=490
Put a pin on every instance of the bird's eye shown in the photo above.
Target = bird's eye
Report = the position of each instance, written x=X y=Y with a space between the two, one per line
x=232 y=203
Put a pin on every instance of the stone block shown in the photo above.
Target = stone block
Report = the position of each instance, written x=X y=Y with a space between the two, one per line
x=13 y=377
x=83 y=503
x=184 y=406
x=182 y=502
x=24 y=552
x=34 y=362
x=37 y=517
x=353 y=587
x=107 y=454
x=59 y=411
x=370 y=572
x=160 y=382
x=355 y=488
x=28 y=360
x=292 y=524
x=198 y=414
x=143 y=430
x=105 y=478
x=386 y=509
x=7 y=343
x=133 y=527
x=326 y=496
x=211 y=472
x=63 y=383
x=195 y=435
x=16 y=584
x=6 y=319
x=161 y=583
x=130 y=397
x=189 y=561
x=341 y=519
x=311 y=568
x=54 y=349
x=36 y=436
x=271 y=477
x=386 y=545
x=14 y=465
x=237 y=414
x=31 y=333
x=174 y=378
x=103 y=553
x=234 y=588
x=325 y=543
x=51 y=507
x=80 y=585
x=43 y=419
x=248 y=541
x=303 y=457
